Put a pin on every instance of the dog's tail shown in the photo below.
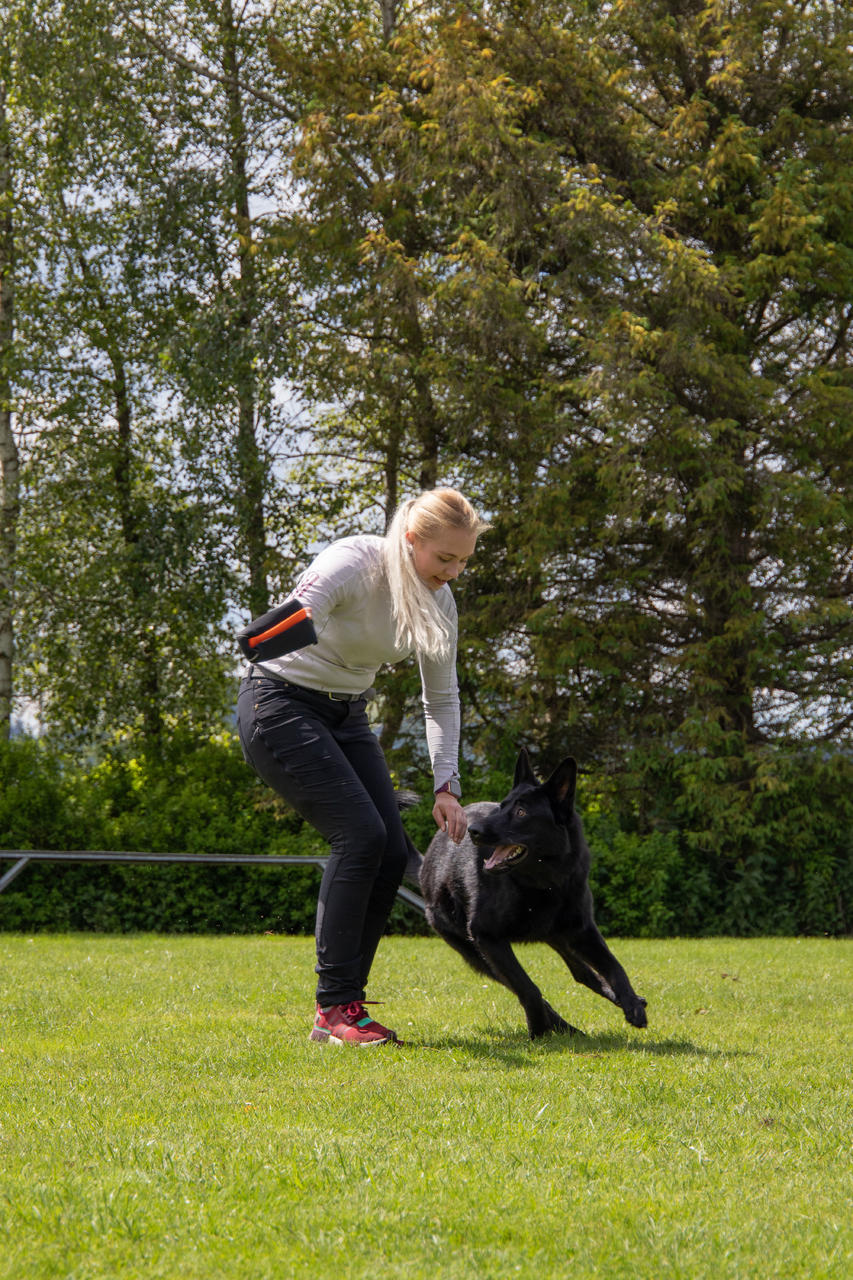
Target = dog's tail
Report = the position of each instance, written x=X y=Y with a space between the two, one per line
x=408 y=800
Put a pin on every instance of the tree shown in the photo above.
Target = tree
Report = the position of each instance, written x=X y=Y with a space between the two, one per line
x=123 y=589
x=614 y=248
x=10 y=233
x=720 y=394
x=8 y=447
x=693 y=631
x=233 y=345
x=155 y=337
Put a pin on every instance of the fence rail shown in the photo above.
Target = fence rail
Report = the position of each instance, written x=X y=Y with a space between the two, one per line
x=23 y=857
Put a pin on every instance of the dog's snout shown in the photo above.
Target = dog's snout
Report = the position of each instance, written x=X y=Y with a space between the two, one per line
x=476 y=833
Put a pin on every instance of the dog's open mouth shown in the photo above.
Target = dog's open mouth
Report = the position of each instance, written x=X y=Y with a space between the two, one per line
x=505 y=856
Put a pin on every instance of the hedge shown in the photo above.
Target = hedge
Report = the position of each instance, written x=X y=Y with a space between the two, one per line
x=650 y=878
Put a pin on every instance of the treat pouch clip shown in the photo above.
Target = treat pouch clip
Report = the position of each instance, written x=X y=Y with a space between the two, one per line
x=283 y=630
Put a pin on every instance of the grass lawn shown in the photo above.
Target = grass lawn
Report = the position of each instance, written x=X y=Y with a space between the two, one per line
x=163 y=1114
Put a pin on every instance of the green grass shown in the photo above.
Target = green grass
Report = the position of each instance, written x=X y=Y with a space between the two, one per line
x=164 y=1115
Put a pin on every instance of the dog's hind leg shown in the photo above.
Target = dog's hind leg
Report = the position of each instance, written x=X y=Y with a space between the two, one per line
x=505 y=968
x=465 y=947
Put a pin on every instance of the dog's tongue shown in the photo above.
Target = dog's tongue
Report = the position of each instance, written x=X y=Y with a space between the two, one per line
x=499 y=854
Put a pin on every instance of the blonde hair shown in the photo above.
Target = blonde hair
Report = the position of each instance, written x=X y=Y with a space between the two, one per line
x=421 y=625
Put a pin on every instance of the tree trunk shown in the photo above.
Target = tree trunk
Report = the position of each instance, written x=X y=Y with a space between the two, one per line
x=137 y=575
x=389 y=10
x=251 y=470
x=138 y=578
x=425 y=413
x=391 y=471
x=9 y=463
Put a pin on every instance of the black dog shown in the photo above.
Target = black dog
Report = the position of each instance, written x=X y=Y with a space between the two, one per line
x=521 y=875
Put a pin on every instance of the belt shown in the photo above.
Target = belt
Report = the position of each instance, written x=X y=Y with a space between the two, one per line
x=301 y=689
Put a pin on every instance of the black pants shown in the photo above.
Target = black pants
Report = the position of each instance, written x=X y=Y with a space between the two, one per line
x=322 y=758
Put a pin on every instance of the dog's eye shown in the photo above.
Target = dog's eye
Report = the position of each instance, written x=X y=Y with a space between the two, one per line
x=520 y=811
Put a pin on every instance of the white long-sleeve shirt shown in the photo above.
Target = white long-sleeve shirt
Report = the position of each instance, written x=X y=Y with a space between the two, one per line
x=350 y=601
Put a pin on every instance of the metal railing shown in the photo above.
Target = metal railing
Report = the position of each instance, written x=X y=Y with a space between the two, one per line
x=23 y=857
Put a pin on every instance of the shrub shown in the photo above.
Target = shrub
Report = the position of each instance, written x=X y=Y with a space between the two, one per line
x=779 y=861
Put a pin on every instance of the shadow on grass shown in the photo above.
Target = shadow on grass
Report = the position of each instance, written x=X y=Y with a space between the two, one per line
x=517 y=1050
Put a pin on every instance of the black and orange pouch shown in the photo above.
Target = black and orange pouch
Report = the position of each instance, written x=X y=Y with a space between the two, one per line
x=283 y=630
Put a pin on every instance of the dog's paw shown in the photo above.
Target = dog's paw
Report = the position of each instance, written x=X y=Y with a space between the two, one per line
x=560 y=1028
x=549 y=1022
x=635 y=1013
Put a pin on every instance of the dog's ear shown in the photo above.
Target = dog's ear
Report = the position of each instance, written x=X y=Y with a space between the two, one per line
x=561 y=785
x=523 y=770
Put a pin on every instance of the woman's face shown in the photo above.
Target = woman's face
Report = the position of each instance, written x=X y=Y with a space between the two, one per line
x=441 y=559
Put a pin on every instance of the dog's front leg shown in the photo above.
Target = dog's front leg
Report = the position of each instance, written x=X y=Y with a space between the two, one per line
x=581 y=971
x=588 y=947
x=504 y=966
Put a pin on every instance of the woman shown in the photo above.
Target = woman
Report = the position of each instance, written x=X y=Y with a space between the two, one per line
x=303 y=725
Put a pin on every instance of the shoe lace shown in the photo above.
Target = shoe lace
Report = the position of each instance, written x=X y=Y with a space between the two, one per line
x=352 y=1011
x=355 y=1010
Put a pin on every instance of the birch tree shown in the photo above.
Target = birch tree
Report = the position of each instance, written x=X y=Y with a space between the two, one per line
x=9 y=462
x=124 y=590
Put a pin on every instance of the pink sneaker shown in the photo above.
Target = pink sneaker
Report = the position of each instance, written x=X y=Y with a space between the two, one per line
x=349 y=1024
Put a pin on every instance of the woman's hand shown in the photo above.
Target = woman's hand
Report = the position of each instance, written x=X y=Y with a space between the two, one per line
x=450 y=816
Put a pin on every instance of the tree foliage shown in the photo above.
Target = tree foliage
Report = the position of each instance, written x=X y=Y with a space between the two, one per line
x=149 y=368
x=611 y=259
x=593 y=264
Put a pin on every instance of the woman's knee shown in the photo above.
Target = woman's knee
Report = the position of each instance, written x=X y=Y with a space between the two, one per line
x=364 y=841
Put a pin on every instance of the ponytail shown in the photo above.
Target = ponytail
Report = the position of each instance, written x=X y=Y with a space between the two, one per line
x=420 y=623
